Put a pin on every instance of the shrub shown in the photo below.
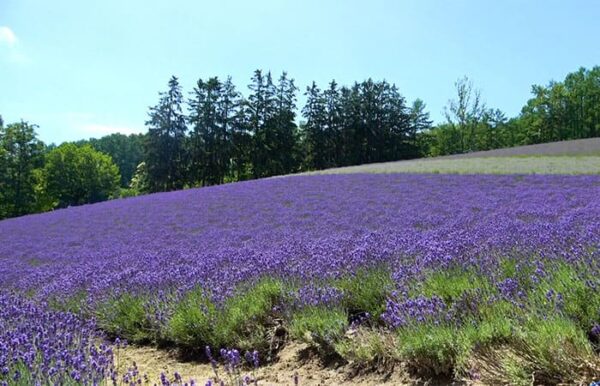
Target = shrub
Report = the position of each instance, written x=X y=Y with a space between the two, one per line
x=125 y=316
x=366 y=291
x=240 y=322
x=320 y=327
x=191 y=324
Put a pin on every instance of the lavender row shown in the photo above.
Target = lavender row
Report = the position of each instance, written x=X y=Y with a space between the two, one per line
x=308 y=228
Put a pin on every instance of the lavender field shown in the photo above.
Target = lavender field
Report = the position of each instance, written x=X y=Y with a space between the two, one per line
x=489 y=278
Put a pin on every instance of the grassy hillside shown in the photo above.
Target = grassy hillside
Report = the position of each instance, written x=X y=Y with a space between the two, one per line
x=567 y=157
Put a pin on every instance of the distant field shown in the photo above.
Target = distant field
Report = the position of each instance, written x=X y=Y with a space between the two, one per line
x=482 y=165
x=589 y=146
x=567 y=157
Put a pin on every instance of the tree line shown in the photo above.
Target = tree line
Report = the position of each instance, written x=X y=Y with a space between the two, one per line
x=36 y=178
x=218 y=135
x=557 y=111
x=215 y=134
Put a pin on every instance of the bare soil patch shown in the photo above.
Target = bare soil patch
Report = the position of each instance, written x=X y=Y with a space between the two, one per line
x=294 y=358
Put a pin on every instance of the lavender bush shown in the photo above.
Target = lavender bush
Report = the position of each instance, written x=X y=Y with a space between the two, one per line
x=38 y=346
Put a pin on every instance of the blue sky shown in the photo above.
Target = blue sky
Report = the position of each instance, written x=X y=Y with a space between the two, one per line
x=83 y=69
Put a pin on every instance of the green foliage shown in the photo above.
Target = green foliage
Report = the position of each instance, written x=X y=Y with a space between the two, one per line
x=470 y=126
x=128 y=192
x=139 y=182
x=271 y=123
x=241 y=322
x=75 y=303
x=556 y=345
x=446 y=347
x=565 y=287
x=319 y=326
x=366 y=291
x=245 y=317
x=21 y=154
x=545 y=351
x=192 y=323
x=125 y=316
x=564 y=110
x=75 y=175
x=28 y=378
x=437 y=349
x=451 y=284
x=214 y=115
x=556 y=112
x=545 y=337
x=164 y=150
x=419 y=124
x=126 y=152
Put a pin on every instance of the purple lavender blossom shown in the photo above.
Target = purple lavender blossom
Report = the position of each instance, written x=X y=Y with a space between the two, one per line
x=305 y=229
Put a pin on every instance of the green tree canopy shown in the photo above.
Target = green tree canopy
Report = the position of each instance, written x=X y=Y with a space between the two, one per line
x=126 y=151
x=564 y=110
x=21 y=153
x=75 y=175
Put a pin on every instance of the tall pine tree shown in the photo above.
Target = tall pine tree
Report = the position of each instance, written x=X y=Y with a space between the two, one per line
x=315 y=128
x=283 y=151
x=228 y=123
x=204 y=145
x=165 y=152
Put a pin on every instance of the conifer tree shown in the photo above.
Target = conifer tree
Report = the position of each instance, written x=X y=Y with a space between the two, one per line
x=315 y=136
x=283 y=155
x=204 y=145
x=165 y=152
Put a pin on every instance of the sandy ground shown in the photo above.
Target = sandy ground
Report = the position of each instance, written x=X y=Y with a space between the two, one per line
x=293 y=359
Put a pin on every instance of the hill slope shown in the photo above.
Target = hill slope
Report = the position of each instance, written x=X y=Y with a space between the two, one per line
x=567 y=157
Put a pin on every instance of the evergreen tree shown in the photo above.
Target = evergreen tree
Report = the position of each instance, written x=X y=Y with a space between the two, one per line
x=351 y=125
x=214 y=115
x=241 y=142
x=419 y=119
x=396 y=142
x=260 y=110
x=283 y=146
x=165 y=152
x=228 y=121
x=333 y=140
x=204 y=143
x=315 y=135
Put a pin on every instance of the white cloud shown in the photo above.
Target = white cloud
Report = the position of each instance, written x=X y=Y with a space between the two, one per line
x=7 y=37
x=10 y=49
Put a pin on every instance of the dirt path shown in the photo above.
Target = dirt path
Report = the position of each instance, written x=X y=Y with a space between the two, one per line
x=291 y=360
